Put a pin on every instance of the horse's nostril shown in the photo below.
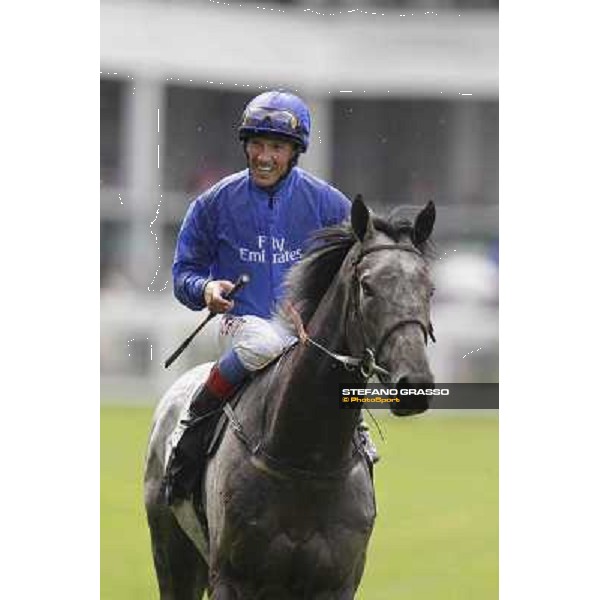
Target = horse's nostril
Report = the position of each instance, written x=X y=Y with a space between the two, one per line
x=412 y=403
x=416 y=380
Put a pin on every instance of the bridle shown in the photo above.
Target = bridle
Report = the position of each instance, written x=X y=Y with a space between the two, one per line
x=370 y=365
x=366 y=365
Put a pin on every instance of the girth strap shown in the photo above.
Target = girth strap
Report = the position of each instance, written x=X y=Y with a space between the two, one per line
x=275 y=467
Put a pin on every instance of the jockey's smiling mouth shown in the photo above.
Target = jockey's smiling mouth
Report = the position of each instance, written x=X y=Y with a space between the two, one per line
x=269 y=159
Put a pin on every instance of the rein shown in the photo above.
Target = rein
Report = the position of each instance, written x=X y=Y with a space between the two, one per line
x=366 y=365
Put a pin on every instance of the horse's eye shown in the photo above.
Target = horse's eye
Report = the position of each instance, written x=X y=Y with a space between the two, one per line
x=432 y=291
x=367 y=288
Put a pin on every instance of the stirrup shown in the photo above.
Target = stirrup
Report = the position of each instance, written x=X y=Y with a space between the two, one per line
x=191 y=421
x=368 y=444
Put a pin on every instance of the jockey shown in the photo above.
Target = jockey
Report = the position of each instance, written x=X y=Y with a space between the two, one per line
x=257 y=221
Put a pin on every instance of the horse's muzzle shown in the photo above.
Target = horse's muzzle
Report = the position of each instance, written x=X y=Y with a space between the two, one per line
x=412 y=403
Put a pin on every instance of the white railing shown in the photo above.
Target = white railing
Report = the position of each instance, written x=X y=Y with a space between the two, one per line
x=139 y=331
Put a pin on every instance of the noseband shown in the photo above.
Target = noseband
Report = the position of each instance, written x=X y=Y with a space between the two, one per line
x=369 y=364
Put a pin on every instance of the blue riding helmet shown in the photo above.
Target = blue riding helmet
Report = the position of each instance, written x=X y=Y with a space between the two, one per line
x=277 y=112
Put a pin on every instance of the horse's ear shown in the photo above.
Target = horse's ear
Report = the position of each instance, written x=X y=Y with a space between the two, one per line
x=360 y=218
x=424 y=224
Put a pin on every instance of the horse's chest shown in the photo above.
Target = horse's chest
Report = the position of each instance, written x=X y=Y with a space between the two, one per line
x=300 y=537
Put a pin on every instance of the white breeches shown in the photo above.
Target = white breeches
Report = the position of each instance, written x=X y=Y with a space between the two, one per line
x=256 y=341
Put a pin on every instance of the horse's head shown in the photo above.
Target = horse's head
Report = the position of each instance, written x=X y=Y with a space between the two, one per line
x=390 y=298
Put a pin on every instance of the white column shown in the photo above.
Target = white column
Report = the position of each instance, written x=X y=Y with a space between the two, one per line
x=318 y=160
x=466 y=152
x=144 y=98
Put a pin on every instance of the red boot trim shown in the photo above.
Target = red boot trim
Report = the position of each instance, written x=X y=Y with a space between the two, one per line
x=217 y=385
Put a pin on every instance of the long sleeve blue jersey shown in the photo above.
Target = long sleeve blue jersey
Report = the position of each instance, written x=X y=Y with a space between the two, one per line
x=236 y=227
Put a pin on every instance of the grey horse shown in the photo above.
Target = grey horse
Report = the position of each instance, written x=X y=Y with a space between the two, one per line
x=287 y=505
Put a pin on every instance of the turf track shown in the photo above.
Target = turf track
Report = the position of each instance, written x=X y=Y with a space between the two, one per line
x=436 y=535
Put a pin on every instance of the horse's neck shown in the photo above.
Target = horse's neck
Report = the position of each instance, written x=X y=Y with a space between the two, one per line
x=307 y=428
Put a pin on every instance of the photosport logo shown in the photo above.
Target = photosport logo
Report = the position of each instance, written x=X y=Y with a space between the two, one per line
x=440 y=395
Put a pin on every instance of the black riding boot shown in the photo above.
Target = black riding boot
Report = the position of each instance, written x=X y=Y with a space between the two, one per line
x=188 y=458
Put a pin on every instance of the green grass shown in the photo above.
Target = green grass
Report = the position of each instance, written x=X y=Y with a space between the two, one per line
x=436 y=534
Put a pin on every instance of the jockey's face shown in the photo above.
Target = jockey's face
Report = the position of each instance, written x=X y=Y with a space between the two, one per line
x=268 y=159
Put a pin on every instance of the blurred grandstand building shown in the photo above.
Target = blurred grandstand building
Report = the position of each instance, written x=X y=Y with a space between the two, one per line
x=404 y=98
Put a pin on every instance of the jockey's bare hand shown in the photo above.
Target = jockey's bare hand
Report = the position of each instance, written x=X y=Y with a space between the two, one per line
x=213 y=296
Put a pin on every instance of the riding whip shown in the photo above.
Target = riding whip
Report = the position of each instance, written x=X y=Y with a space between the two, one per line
x=241 y=281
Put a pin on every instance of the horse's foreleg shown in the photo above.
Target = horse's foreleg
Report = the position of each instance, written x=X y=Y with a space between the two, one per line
x=180 y=569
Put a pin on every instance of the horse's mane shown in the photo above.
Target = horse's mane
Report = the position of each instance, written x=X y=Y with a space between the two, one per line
x=308 y=280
